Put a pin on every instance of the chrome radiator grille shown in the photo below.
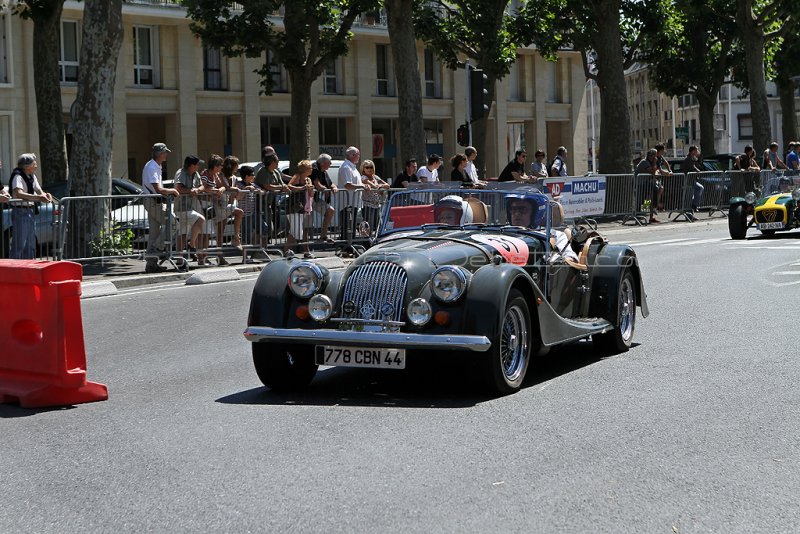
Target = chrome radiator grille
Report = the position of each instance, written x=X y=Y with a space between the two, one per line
x=375 y=291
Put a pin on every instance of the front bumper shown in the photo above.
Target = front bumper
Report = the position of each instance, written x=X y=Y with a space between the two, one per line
x=400 y=340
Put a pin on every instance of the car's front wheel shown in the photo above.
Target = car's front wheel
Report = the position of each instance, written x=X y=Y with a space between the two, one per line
x=284 y=367
x=508 y=359
x=737 y=222
x=619 y=339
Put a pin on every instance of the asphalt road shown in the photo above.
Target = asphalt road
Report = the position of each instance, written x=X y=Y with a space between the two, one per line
x=694 y=430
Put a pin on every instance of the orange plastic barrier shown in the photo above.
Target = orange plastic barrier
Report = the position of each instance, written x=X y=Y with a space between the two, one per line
x=42 y=356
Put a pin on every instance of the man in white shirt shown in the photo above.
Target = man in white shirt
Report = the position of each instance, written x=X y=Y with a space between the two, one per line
x=156 y=206
x=559 y=166
x=25 y=189
x=350 y=179
x=470 y=169
x=430 y=172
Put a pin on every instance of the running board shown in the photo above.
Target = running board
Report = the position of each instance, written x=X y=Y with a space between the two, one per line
x=555 y=329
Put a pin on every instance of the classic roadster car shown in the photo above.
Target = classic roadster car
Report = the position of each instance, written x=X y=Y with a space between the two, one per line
x=483 y=275
x=772 y=213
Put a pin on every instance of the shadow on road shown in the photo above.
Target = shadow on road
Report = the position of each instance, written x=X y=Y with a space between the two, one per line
x=12 y=411
x=438 y=384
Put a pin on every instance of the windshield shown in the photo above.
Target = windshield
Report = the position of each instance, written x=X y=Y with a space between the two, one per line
x=423 y=208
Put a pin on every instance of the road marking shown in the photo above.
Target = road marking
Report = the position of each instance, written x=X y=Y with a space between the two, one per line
x=795 y=247
x=788 y=273
x=659 y=242
x=696 y=242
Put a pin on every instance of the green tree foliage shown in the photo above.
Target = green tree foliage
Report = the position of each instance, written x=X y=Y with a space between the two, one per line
x=313 y=34
x=46 y=17
x=608 y=34
x=483 y=31
x=760 y=24
x=786 y=69
x=690 y=50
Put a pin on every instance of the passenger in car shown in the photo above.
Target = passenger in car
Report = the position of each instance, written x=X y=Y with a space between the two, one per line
x=530 y=211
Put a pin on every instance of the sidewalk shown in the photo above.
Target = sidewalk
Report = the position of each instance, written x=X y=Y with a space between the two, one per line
x=127 y=273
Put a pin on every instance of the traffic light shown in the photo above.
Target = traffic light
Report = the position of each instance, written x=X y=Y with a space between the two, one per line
x=462 y=135
x=479 y=95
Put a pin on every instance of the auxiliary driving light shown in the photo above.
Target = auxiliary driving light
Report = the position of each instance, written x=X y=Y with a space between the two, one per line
x=419 y=312
x=750 y=198
x=320 y=307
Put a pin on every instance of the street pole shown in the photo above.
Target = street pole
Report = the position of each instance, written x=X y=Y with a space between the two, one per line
x=467 y=116
x=730 y=137
x=674 y=130
x=594 y=150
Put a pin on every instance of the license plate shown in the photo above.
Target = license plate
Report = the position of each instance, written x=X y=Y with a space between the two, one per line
x=770 y=226
x=361 y=357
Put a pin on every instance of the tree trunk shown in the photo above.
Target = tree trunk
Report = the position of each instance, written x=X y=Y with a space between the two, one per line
x=615 y=127
x=300 y=133
x=789 y=125
x=706 y=113
x=93 y=112
x=409 y=89
x=47 y=85
x=753 y=42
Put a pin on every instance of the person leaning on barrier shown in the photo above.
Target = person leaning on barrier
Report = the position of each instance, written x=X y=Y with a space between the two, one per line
x=372 y=195
x=692 y=165
x=646 y=171
x=325 y=188
x=248 y=201
x=191 y=222
x=350 y=179
x=216 y=211
x=771 y=160
x=156 y=207
x=25 y=189
x=515 y=169
x=273 y=181
x=408 y=175
x=746 y=161
x=792 y=159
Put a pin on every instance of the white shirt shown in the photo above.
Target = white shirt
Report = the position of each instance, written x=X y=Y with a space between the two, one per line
x=426 y=175
x=19 y=183
x=151 y=175
x=472 y=172
x=348 y=174
x=561 y=165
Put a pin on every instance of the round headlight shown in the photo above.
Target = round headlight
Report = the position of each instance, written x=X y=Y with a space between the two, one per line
x=305 y=279
x=320 y=307
x=419 y=312
x=796 y=195
x=750 y=198
x=448 y=283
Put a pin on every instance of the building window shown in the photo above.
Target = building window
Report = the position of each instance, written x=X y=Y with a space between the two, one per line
x=214 y=78
x=280 y=79
x=145 y=54
x=275 y=131
x=433 y=75
x=384 y=71
x=331 y=77
x=68 y=57
x=745 y=126
x=332 y=131
x=553 y=83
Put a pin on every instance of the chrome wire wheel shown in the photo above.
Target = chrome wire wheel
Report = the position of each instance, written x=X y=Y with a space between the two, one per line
x=514 y=343
x=627 y=309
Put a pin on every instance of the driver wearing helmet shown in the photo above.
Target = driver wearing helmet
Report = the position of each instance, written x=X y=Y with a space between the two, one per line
x=452 y=210
x=530 y=211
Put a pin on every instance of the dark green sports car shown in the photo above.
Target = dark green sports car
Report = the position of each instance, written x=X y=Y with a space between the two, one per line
x=481 y=274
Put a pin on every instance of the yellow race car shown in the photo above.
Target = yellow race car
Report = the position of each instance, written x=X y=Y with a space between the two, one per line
x=769 y=214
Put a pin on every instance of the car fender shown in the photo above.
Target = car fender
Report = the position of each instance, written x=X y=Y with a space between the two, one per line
x=487 y=294
x=606 y=278
x=272 y=301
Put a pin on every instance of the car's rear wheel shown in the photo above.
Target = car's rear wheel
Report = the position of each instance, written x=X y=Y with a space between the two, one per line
x=510 y=354
x=284 y=367
x=737 y=222
x=619 y=339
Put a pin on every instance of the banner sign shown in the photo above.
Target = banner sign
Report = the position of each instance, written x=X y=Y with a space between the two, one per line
x=580 y=196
